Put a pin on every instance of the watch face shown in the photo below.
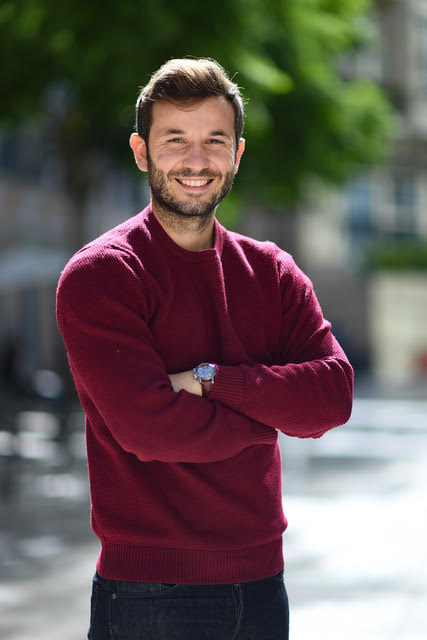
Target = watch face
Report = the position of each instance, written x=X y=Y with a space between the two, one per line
x=205 y=371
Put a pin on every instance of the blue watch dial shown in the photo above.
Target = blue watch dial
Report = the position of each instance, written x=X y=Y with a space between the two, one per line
x=206 y=371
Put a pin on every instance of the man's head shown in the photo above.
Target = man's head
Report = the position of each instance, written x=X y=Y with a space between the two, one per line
x=187 y=80
x=189 y=121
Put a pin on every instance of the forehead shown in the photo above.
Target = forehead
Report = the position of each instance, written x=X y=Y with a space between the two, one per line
x=213 y=113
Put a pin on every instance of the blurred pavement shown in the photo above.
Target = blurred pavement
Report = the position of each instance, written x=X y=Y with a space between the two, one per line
x=355 y=547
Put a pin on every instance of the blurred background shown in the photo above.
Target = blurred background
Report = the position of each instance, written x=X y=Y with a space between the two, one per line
x=335 y=171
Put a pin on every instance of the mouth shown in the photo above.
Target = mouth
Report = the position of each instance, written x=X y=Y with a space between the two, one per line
x=194 y=184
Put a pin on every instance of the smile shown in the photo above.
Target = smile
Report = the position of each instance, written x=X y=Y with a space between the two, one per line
x=193 y=182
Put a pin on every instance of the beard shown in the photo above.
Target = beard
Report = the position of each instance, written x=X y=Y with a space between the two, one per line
x=191 y=208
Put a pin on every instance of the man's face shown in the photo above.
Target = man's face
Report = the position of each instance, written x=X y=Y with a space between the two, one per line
x=191 y=158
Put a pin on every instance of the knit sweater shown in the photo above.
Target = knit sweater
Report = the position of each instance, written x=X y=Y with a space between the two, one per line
x=186 y=489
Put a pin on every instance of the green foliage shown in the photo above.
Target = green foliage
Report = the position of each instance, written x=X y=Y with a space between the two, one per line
x=404 y=255
x=303 y=120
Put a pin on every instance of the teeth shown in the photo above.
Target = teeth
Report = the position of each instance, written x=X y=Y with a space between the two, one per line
x=194 y=183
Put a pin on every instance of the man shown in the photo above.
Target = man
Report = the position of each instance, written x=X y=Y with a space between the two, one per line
x=190 y=346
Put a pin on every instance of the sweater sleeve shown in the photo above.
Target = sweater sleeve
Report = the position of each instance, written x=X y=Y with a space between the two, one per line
x=122 y=381
x=310 y=388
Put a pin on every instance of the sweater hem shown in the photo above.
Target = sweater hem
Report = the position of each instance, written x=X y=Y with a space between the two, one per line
x=189 y=566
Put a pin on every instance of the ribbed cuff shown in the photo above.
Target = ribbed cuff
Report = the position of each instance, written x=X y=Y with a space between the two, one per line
x=229 y=387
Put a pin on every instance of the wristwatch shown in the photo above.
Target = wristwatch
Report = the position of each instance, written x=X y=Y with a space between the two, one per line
x=205 y=374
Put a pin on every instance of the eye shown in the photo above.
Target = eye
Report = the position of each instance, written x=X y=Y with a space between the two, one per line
x=176 y=140
x=216 y=141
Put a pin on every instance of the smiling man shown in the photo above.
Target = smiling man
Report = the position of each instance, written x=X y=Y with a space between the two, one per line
x=191 y=154
x=191 y=165
x=190 y=347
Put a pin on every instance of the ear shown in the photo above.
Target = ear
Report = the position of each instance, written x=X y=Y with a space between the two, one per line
x=240 y=150
x=139 y=149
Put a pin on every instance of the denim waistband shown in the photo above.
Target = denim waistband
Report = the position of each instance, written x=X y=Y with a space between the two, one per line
x=136 y=586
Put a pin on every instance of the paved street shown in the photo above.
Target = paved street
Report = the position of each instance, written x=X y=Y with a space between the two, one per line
x=355 y=546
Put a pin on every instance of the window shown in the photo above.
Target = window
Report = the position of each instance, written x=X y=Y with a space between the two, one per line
x=360 y=217
x=405 y=200
x=359 y=198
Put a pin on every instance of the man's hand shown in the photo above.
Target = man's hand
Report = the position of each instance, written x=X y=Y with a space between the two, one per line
x=186 y=380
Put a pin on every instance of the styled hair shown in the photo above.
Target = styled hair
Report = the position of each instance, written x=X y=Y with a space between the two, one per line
x=192 y=79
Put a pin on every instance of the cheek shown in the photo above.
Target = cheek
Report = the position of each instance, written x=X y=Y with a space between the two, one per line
x=167 y=158
x=227 y=162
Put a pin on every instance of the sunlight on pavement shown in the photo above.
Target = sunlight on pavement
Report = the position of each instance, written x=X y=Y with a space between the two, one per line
x=355 y=548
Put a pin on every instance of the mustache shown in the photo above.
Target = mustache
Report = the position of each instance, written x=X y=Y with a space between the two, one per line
x=188 y=173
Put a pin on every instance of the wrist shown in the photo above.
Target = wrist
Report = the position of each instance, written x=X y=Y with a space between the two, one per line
x=205 y=374
x=184 y=381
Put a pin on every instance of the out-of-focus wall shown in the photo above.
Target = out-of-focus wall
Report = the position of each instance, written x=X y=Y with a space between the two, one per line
x=398 y=327
x=382 y=313
x=34 y=230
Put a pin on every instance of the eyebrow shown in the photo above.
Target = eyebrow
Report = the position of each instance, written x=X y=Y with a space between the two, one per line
x=219 y=132
x=216 y=132
x=167 y=132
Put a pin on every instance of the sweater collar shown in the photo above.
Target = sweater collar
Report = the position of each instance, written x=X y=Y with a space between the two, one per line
x=156 y=229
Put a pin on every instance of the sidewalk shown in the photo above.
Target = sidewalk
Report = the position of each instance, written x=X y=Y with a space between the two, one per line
x=47 y=550
x=355 y=547
x=51 y=605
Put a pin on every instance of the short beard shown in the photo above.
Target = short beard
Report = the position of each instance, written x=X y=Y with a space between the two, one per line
x=176 y=211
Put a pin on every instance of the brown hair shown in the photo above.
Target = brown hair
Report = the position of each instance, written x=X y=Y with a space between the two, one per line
x=189 y=79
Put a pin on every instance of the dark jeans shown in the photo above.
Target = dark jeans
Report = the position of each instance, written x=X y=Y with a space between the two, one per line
x=156 y=611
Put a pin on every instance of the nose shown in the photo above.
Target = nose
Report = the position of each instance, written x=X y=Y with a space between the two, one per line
x=196 y=158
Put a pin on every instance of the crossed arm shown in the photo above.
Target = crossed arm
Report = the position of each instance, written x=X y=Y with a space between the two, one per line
x=123 y=382
x=307 y=391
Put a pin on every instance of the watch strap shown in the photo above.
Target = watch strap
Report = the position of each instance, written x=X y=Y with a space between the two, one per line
x=206 y=387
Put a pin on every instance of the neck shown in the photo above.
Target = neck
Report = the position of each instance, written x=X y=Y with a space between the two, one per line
x=192 y=233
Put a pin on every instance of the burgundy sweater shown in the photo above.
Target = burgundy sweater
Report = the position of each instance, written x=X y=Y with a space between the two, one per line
x=186 y=489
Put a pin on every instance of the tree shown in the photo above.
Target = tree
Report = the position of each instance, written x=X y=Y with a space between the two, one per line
x=82 y=62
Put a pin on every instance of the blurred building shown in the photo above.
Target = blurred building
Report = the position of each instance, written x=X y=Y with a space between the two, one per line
x=379 y=315
x=330 y=236
x=34 y=244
